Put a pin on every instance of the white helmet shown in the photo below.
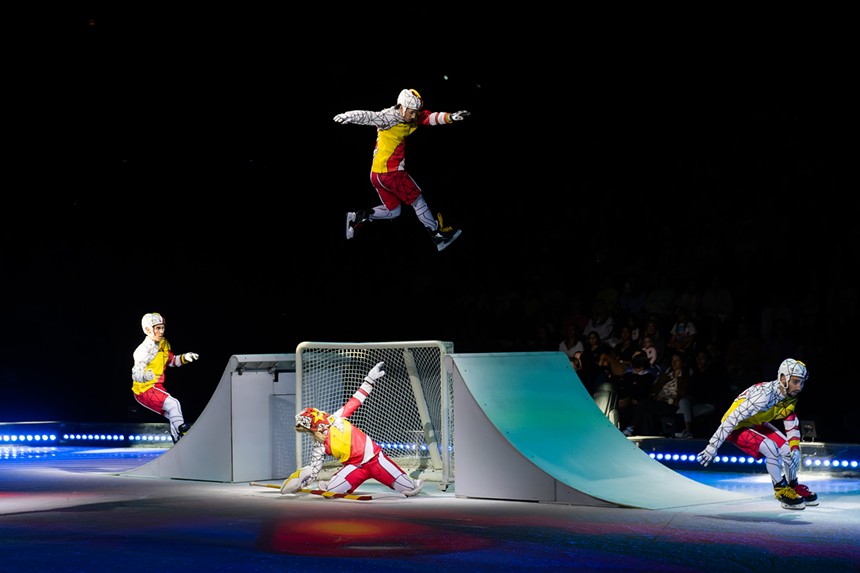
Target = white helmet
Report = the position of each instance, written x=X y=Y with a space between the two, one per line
x=791 y=367
x=149 y=320
x=410 y=99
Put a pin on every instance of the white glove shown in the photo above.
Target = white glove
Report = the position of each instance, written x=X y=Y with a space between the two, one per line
x=297 y=480
x=375 y=373
x=456 y=116
x=341 y=118
x=148 y=375
x=706 y=455
x=189 y=357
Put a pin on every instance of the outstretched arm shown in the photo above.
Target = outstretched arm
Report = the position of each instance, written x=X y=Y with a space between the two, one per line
x=384 y=119
x=363 y=391
x=441 y=117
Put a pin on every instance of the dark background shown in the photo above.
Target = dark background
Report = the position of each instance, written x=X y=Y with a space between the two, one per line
x=187 y=163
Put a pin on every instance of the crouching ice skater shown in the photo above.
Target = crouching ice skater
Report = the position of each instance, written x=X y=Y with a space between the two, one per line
x=151 y=360
x=360 y=456
x=748 y=425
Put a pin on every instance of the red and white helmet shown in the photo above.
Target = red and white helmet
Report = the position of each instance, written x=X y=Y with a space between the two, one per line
x=313 y=420
x=410 y=99
x=149 y=320
x=791 y=367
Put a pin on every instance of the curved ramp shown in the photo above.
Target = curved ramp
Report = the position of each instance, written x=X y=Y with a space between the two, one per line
x=527 y=429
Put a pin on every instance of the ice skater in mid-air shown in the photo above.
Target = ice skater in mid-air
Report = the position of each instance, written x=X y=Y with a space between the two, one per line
x=388 y=173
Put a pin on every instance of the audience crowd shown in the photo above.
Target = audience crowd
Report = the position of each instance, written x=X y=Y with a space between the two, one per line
x=680 y=348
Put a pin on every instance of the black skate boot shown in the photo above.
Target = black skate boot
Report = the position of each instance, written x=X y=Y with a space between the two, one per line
x=182 y=429
x=444 y=236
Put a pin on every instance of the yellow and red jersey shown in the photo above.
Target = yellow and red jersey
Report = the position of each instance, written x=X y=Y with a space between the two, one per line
x=155 y=357
x=389 y=154
x=759 y=404
x=347 y=443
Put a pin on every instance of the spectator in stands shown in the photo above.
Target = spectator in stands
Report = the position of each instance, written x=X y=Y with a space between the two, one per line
x=594 y=370
x=658 y=341
x=635 y=329
x=542 y=337
x=600 y=322
x=682 y=336
x=662 y=399
x=572 y=342
x=624 y=349
x=634 y=386
x=650 y=350
x=576 y=362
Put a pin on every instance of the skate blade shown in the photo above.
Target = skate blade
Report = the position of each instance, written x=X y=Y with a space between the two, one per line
x=443 y=246
x=350 y=230
x=798 y=506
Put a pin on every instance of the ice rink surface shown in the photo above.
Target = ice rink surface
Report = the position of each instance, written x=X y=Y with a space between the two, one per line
x=69 y=509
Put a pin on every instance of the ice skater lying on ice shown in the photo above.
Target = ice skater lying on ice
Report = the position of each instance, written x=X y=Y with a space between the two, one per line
x=360 y=456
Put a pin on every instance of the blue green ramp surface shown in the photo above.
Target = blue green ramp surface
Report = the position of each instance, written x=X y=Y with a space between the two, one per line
x=526 y=428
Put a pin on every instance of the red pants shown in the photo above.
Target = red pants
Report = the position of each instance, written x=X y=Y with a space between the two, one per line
x=749 y=439
x=395 y=187
x=153 y=399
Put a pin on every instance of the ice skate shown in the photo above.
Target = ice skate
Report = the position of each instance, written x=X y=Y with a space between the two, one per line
x=181 y=430
x=808 y=497
x=416 y=490
x=787 y=497
x=355 y=220
x=444 y=236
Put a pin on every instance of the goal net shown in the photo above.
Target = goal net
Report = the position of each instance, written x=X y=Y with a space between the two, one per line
x=409 y=413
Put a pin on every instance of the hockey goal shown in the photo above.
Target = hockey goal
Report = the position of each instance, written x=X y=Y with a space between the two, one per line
x=410 y=412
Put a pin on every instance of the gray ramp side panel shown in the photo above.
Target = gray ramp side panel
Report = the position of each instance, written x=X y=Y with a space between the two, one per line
x=489 y=467
x=538 y=404
x=205 y=452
